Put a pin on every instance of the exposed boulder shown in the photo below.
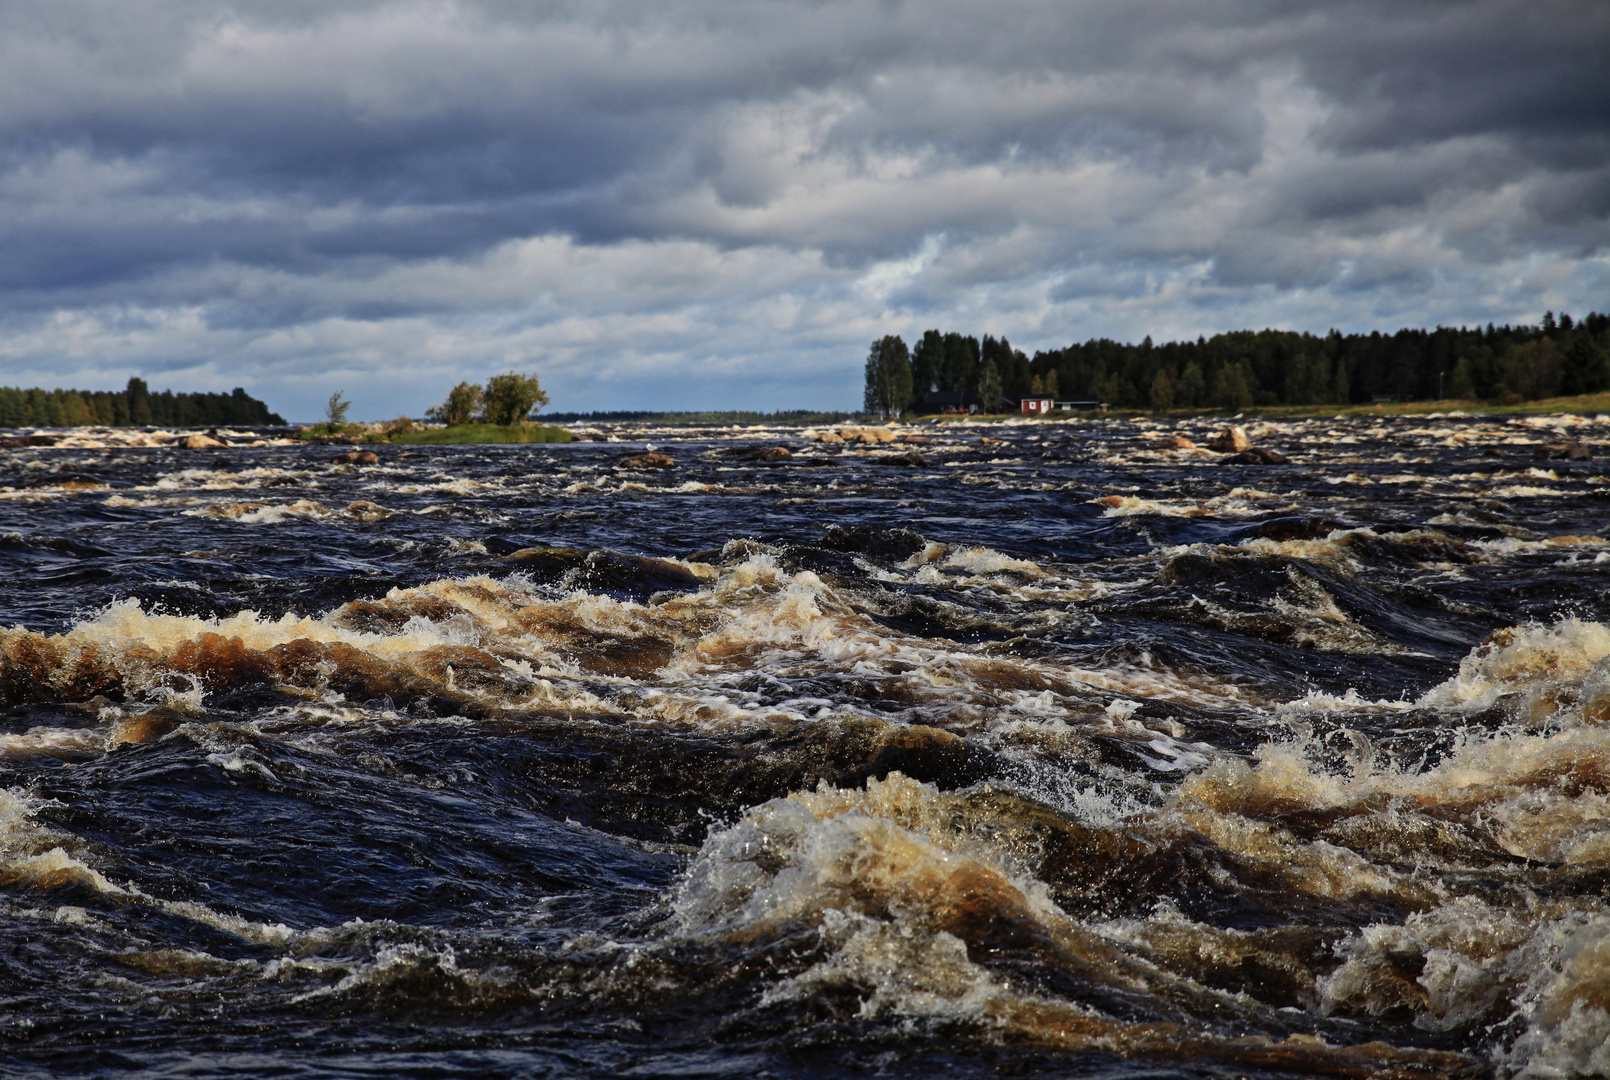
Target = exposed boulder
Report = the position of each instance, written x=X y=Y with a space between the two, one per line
x=200 y=442
x=867 y=435
x=648 y=461
x=1232 y=440
x=763 y=453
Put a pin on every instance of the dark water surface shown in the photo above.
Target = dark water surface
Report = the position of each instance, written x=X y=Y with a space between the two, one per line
x=1052 y=753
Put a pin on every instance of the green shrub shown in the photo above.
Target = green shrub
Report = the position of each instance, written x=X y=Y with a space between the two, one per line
x=463 y=402
x=509 y=398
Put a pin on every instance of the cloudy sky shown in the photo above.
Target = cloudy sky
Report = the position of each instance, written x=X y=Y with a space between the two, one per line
x=719 y=203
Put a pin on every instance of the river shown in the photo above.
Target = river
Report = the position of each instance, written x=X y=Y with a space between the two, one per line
x=1039 y=749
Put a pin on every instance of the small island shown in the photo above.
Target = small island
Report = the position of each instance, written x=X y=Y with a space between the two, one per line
x=502 y=411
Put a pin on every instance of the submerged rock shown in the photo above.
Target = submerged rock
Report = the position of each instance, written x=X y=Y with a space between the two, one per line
x=1569 y=451
x=617 y=573
x=1258 y=455
x=359 y=457
x=364 y=510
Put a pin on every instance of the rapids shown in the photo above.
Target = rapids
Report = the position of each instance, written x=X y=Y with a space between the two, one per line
x=1028 y=749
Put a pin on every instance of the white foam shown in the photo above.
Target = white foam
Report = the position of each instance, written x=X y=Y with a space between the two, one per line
x=1521 y=658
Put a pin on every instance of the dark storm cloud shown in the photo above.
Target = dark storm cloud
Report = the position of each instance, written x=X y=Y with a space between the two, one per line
x=745 y=186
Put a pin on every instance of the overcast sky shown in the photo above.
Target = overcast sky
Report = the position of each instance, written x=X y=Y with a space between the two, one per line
x=719 y=203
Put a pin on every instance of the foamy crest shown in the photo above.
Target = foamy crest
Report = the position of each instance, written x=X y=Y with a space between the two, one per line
x=906 y=895
x=1567 y=1002
x=898 y=888
x=1458 y=962
x=500 y=643
x=1238 y=502
x=33 y=854
x=1540 y=796
x=1532 y=660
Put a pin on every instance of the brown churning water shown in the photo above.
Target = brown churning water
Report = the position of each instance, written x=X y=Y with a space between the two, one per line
x=1072 y=752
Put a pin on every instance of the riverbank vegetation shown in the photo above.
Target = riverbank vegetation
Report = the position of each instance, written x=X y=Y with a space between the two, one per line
x=502 y=411
x=1495 y=366
x=505 y=400
x=133 y=406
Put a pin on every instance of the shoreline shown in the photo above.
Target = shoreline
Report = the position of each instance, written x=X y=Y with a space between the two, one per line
x=106 y=437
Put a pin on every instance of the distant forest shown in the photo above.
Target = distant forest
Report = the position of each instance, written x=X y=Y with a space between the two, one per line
x=135 y=406
x=1246 y=368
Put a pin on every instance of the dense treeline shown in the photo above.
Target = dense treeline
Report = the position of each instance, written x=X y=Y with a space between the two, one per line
x=1245 y=368
x=135 y=406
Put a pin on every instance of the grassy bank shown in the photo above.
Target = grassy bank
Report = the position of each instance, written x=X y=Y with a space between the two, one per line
x=1581 y=404
x=466 y=434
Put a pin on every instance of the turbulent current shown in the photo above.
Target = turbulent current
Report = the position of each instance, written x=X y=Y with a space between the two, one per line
x=1038 y=749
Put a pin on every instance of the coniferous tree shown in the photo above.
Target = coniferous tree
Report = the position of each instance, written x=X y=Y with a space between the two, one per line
x=1191 y=389
x=1245 y=368
x=1230 y=388
x=139 y=397
x=1585 y=368
x=960 y=372
x=1162 y=391
x=928 y=363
